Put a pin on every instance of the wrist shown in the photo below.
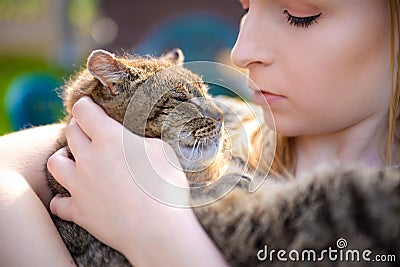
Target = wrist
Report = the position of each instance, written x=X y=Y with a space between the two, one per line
x=181 y=241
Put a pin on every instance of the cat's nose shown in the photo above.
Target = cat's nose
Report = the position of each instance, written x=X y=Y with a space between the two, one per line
x=218 y=117
x=215 y=114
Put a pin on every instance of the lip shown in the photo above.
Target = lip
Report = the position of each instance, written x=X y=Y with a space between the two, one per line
x=263 y=97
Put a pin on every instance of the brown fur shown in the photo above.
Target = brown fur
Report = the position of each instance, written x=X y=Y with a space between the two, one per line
x=358 y=205
x=173 y=105
x=362 y=206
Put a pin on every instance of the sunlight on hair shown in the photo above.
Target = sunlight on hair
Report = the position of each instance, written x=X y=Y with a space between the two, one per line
x=395 y=92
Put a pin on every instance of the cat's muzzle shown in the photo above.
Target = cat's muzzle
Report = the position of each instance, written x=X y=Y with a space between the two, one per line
x=199 y=143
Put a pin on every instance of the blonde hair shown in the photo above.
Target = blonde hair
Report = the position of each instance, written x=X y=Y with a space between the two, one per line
x=394 y=93
x=283 y=163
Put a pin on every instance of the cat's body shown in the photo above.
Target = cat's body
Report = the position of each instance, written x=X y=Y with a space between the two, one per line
x=172 y=104
x=312 y=213
x=358 y=207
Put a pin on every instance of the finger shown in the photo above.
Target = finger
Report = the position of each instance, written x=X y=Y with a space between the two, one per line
x=62 y=207
x=77 y=139
x=62 y=168
x=165 y=161
x=91 y=118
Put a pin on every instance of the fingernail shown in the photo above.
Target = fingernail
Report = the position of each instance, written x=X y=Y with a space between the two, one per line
x=83 y=99
x=64 y=151
x=86 y=98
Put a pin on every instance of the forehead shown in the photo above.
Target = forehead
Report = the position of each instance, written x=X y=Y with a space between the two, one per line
x=167 y=71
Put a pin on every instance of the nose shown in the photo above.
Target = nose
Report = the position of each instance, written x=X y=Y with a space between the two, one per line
x=254 y=43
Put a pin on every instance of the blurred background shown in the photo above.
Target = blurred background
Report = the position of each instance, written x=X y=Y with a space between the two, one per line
x=44 y=41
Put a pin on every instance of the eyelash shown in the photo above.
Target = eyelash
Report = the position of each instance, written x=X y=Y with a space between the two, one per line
x=303 y=22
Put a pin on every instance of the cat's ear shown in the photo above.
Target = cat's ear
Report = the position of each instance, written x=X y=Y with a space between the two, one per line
x=175 y=56
x=107 y=69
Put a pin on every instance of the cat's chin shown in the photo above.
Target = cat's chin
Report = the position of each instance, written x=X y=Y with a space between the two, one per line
x=196 y=159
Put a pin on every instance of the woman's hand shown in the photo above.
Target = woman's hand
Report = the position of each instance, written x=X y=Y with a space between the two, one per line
x=107 y=201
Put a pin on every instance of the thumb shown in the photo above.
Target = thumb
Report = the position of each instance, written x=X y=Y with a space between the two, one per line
x=61 y=206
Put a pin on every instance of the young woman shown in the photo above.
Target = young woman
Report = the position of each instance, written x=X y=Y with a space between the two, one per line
x=328 y=70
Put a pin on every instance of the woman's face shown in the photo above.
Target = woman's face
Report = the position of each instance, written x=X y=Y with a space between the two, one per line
x=322 y=65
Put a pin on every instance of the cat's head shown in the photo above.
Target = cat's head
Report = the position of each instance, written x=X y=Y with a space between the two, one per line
x=170 y=102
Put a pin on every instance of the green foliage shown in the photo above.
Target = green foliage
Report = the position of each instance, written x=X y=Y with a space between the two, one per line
x=22 y=10
x=12 y=66
x=82 y=13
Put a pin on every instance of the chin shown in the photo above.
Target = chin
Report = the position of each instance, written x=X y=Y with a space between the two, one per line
x=289 y=129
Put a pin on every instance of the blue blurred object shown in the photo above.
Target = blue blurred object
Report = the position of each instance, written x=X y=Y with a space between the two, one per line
x=32 y=100
x=200 y=35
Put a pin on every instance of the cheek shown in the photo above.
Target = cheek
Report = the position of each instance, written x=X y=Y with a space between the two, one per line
x=339 y=77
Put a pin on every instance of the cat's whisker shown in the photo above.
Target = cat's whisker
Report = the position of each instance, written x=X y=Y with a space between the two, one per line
x=186 y=136
x=199 y=151
x=192 y=155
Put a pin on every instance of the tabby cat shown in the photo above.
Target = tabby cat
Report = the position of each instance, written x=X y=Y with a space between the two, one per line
x=360 y=206
x=356 y=206
x=172 y=104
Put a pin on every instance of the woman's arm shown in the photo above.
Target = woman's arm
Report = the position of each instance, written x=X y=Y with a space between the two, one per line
x=28 y=236
x=107 y=201
x=26 y=152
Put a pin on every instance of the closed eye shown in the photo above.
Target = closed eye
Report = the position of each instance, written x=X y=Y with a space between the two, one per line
x=303 y=22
